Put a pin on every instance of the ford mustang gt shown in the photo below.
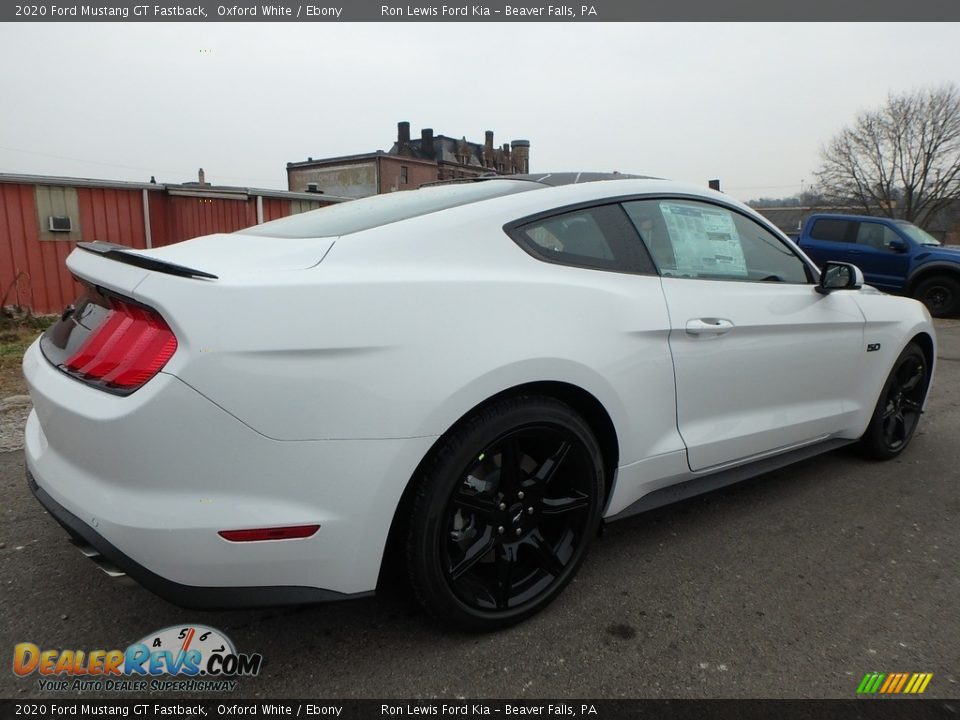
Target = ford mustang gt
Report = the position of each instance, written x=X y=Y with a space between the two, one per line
x=470 y=377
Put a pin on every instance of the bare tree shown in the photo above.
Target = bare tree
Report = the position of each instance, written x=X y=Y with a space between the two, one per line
x=902 y=160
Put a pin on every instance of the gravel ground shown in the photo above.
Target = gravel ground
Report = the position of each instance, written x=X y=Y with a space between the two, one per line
x=13 y=414
x=793 y=584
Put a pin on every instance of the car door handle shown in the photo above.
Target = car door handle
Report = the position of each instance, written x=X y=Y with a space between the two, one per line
x=709 y=326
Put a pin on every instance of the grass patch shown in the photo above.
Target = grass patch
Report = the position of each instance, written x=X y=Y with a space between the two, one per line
x=15 y=337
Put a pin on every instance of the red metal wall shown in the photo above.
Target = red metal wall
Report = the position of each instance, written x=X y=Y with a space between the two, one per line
x=33 y=273
x=275 y=208
x=30 y=272
x=112 y=215
x=192 y=217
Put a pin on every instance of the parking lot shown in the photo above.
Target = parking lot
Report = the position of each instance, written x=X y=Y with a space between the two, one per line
x=794 y=584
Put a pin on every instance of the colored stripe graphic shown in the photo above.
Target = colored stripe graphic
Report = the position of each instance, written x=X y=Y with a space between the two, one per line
x=894 y=683
x=870 y=683
x=890 y=683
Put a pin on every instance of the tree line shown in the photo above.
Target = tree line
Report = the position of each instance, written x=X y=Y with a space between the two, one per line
x=901 y=160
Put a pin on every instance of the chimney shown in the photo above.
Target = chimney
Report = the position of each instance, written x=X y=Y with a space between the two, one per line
x=521 y=156
x=403 y=133
x=201 y=176
x=426 y=142
x=488 y=150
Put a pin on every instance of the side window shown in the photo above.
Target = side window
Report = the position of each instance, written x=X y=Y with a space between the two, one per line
x=876 y=235
x=697 y=240
x=831 y=230
x=600 y=238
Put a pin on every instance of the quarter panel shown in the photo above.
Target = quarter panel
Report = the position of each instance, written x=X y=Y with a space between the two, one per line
x=375 y=343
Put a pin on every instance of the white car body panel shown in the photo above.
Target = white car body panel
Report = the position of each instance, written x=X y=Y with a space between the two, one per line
x=314 y=375
x=775 y=379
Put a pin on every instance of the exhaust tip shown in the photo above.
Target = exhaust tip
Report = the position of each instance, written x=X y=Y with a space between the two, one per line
x=99 y=560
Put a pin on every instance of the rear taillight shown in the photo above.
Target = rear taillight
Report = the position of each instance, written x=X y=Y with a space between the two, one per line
x=128 y=348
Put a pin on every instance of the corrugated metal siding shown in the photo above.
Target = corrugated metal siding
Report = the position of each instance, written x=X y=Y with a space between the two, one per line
x=159 y=219
x=275 y=208
x=112 y=216
x=32 y=273
x=192 y=216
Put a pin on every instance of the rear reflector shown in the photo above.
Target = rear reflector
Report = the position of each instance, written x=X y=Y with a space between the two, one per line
x=292 y=532
x=131 y=346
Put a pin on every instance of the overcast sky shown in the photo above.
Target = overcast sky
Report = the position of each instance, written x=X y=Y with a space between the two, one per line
x=750 y=104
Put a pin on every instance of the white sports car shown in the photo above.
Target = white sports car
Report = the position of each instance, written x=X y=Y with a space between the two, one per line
x=469 y=376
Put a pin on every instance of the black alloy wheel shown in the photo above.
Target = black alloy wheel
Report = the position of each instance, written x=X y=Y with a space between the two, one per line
x=900 y=405
x=941 y=295
x=505 y=514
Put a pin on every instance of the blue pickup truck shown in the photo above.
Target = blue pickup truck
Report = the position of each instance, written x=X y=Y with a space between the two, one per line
x=894 y=255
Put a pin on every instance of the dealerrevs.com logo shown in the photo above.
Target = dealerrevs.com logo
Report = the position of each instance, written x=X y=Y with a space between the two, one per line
x=191 y=658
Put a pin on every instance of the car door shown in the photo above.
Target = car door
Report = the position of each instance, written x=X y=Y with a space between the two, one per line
x=762 y=362
x=882 y=266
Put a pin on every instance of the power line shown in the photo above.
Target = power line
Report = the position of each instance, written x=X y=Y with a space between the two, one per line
x=152 y=171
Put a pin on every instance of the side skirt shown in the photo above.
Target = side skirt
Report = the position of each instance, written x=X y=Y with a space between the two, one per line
x=714 y=481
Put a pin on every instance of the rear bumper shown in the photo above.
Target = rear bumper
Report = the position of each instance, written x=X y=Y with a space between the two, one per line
x=188 y=596
x=150 y=479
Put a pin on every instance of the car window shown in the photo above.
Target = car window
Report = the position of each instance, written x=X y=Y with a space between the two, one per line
x=600 y=238
x=831 y=230
x=698 y=240
x=921 y=237
x=876 y=235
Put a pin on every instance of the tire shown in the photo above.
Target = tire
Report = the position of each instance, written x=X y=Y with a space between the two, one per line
x=941 y=295
x=898 y=409
x=504 y=513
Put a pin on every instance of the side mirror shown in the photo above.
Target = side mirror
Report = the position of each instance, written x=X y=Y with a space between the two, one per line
x=898 y=246
x=839 y=276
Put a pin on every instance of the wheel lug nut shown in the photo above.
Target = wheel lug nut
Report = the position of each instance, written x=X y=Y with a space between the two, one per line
x=520 y=495
x=529 y=511
x=500 y=529
x=503 y=506
x=519 y=531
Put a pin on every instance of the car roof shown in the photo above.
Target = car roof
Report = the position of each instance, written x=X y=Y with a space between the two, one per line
x=551 y=179
x=575 y=178
x=849 y=216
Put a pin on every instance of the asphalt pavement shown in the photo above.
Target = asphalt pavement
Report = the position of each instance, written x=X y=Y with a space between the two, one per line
x=794 y=584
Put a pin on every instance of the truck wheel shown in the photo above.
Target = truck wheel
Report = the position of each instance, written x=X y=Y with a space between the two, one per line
x=941 y=295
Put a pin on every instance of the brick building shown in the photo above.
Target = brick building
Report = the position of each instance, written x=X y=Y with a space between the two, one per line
x=408 y=164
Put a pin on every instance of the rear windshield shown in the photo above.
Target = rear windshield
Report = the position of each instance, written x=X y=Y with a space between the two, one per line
x=371 y=212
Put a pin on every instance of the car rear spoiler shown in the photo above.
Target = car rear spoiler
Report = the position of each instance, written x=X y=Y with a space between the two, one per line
x=124 y=254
